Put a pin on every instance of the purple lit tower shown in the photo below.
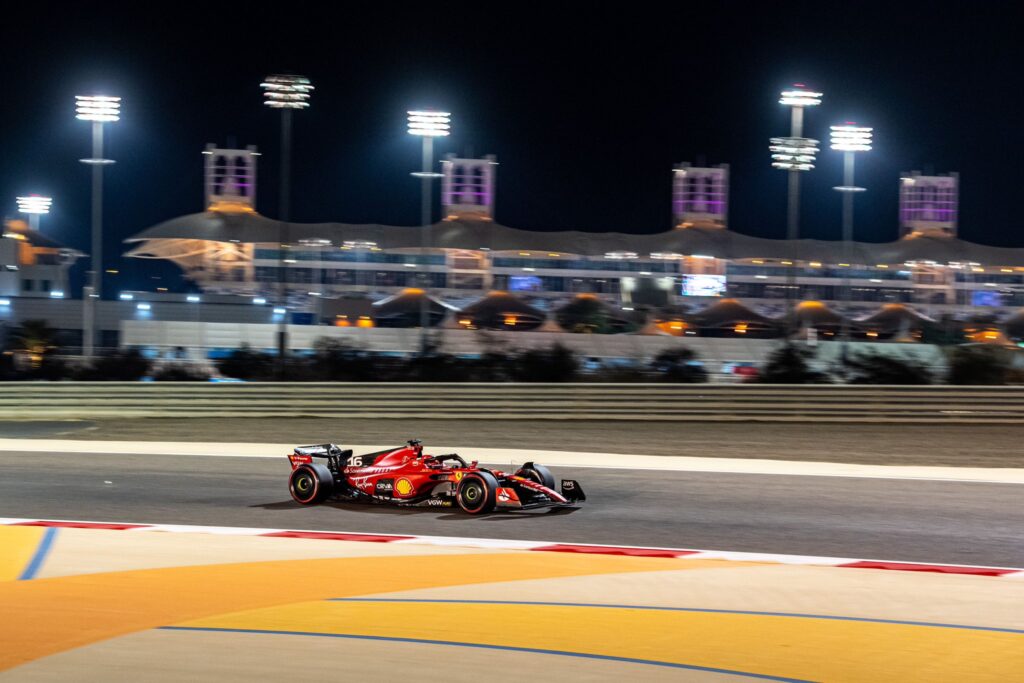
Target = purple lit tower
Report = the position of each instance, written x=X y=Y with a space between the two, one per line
x=467 y=188
x=928 y=204
x=230 y=178
x=700 y=196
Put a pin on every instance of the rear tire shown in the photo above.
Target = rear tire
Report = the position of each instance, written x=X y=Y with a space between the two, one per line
x=477 y=493
x=538 y=473
x=311 y=484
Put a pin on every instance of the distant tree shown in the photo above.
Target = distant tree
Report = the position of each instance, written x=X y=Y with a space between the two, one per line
x=121 y=366
x=336 y=360
x=678 y=365
x=246 y=364
x=554 y=364
x=875 y=368
x=33 y=340
x=584 y=315
x=790 y=364
x=180 y=373
x=978 y=365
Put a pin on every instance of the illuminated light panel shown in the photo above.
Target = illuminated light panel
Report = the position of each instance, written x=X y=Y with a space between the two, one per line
x=429 y=123
x=143 y=306
x=799 y=97
x=97 y=108
x=279 y=311
x=358 y=244
x=283 y=91
x=618 y=255
x=57 y=294
x=34 y=204
x=259 y=301
x=192 y=298
x=851 y=138
x=793 y=154
x=124 y=296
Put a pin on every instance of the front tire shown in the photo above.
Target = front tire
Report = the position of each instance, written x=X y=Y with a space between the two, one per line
x=311 y=484
x=538 y=473
x=477 y=493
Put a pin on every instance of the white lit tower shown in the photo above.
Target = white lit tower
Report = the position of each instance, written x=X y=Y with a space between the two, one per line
x=928 y=204
x=700 y=195
x=467 y=188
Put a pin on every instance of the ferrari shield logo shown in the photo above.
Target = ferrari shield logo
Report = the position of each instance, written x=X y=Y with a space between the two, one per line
x=458 y=476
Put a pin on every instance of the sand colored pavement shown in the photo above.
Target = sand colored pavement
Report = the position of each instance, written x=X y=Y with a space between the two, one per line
x=149 y=605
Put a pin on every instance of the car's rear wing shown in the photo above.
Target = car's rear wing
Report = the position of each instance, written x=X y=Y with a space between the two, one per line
x=305 y=454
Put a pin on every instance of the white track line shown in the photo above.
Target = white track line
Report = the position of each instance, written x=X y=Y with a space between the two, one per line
x=654 y=463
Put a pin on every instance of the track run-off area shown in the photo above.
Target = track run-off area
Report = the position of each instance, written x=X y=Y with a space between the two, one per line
x=766 y=599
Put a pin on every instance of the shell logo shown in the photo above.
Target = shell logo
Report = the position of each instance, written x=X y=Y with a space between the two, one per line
x=403 y=487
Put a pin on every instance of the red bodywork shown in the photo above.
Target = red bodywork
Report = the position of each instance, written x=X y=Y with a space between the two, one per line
x=407 y=475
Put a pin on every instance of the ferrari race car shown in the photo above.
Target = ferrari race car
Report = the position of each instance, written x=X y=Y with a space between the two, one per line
x=408 y=477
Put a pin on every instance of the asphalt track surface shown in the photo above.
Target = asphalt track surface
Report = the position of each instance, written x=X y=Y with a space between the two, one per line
x=915 y=521
x=874 y=444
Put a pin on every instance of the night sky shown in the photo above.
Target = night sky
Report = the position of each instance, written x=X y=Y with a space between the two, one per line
x=586 y=108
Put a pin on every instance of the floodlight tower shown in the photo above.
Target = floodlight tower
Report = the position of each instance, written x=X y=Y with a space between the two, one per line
x=427 y=125
x=795 y=154
x=99 y=109
x=34 y=206
x=849 y=139
x=287 y=93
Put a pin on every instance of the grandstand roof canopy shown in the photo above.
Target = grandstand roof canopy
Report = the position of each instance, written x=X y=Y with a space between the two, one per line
x=251 y=227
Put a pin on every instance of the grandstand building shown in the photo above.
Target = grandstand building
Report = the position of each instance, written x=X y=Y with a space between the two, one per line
x=230 y=248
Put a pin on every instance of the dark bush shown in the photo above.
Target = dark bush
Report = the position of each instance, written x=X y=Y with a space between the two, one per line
x=180 y=373
x=790 y=364
x=874 y=368
x=554 y=364
x=433 y=366
x=244 y=363
x=334 y=360
x=121 y=366
x=978 y=365
x=678 y=365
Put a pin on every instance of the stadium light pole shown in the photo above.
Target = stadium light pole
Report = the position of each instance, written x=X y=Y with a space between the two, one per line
x=795 y=154
x=287 y=93
x=849 y=139
x=98 y=109
x=34 y=206
x=427 y=125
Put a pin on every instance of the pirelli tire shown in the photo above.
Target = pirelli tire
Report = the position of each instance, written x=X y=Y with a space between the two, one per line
x=538 y=473
x=477 y=493
x=310 y=484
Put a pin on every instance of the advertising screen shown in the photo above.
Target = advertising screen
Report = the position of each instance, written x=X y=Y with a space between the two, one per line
x=524 y=283
x=703 y=285
x=986 y=298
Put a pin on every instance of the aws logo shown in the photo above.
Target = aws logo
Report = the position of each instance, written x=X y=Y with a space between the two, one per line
x=403 y=487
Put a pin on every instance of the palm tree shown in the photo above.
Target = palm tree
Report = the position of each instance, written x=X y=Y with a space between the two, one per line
x=33 y=340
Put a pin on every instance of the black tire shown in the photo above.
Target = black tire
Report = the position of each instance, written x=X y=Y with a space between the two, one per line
x=311 y=484
x=538 y=473
x=477 y=493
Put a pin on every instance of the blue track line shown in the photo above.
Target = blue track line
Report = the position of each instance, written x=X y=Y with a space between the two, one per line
x=34 y=565
x=686 y=609
x=508 y=648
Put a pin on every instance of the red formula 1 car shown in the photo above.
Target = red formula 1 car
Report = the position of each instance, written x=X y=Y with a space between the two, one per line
x=406 y=476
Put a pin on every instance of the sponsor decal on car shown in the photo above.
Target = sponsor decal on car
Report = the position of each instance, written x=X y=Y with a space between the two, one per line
x=385 y=486
x=404 y=487
x=459 y=475
x=437 y=503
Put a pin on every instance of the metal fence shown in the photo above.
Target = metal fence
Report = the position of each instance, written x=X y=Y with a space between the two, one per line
x=632 y=402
